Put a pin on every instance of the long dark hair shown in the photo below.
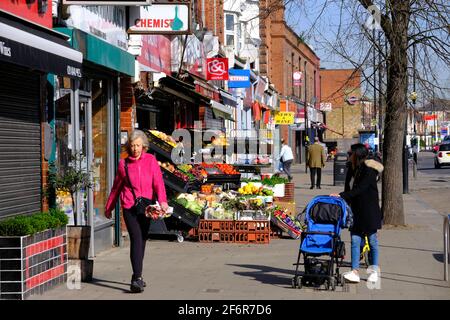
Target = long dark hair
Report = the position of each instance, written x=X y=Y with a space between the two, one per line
x=360 y=151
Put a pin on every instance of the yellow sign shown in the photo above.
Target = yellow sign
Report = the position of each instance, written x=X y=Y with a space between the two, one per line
x=284 y=118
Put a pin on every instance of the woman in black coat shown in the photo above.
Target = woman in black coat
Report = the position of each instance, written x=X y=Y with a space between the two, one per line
x=364 y=201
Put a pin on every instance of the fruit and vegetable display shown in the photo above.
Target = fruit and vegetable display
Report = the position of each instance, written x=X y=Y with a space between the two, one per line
x=286 y=222
x=252 y=189
x=218 y=168
x=164 y=137
x=186 y=177
x=274 y=180
x=191 y=202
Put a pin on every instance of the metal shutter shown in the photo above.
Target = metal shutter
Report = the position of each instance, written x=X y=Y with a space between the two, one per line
x=20 y=141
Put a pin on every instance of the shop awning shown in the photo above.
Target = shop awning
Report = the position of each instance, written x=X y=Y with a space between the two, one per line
x=101 y=52
x=221 y=110
x=228 y=99
x=181 y=89
x=37 y=47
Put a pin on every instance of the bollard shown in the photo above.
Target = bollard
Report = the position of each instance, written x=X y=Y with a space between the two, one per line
x=446 y=245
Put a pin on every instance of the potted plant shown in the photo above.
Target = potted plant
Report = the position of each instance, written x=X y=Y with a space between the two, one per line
x=72 y=180
x=33 y=254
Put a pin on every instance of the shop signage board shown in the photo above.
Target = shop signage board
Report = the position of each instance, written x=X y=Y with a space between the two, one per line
x=156 y=53
x=194 y=58
x=34 y=11
x=297 y=77
x=239 y=78
x=285 y=117
x=160 y=19
x=107 y=23
x=326 y=106
x=217 y=69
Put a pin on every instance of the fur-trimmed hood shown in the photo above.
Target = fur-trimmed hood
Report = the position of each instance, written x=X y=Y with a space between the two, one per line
x=374 y=165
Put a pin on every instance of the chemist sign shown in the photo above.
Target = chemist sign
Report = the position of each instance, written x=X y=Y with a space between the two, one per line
x=160 y=19
x=284 y=118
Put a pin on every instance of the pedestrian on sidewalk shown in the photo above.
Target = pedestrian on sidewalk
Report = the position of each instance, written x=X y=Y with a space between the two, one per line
x=286 y=157
x=367 y=216
x=316 y=161
x=139 y=175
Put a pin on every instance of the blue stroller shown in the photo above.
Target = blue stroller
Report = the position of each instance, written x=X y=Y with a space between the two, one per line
x=321 y=244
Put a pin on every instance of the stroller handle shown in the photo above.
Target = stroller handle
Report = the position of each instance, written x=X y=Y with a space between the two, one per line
x=323 y=233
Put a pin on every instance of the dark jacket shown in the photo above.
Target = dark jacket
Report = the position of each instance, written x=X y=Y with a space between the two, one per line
x=364 y=199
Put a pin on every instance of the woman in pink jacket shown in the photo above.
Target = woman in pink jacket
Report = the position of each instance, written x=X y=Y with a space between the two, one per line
x=145 y=177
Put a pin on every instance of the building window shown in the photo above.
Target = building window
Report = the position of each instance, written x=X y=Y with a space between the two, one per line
x=229 y=18
x=230 y=40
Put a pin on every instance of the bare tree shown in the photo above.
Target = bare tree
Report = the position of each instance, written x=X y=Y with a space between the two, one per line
x=407 y=26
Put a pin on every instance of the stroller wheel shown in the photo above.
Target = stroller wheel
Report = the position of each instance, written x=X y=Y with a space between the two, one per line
x=294 y=282
x=333 y=284
x=299 y=283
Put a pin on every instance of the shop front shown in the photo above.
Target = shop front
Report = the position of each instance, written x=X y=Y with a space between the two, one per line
x=28 y=52
x=87 y=124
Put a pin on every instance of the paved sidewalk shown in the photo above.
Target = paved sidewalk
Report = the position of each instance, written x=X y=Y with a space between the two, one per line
x=411 y=264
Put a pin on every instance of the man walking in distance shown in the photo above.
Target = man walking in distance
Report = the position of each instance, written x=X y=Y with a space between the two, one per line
x=316 y=161
x=286 y=156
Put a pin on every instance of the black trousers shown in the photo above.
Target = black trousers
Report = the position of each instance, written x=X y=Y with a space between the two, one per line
x=313 y=172
x=137 y=227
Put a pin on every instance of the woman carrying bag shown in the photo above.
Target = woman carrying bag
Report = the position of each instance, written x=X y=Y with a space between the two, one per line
x=139 y=183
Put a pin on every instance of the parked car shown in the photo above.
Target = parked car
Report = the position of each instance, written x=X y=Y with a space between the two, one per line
x=442 y=157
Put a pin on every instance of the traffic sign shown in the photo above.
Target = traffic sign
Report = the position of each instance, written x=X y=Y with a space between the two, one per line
x=352 y=100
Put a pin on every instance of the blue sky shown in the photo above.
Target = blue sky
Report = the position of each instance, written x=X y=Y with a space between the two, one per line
x=336 y=25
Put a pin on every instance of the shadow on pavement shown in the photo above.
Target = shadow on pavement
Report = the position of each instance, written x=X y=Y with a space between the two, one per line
x=101 y=283
x=414 y=249
x=414 y=282
x=439 y=257
x=264 y=274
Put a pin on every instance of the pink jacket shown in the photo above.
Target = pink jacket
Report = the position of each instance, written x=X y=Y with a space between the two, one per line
x=145 y=176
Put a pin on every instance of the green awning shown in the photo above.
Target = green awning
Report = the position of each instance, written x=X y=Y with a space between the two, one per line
x=99 y=51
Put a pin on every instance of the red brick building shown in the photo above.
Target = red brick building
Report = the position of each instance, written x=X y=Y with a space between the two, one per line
x=282 y=53
x=337 y=86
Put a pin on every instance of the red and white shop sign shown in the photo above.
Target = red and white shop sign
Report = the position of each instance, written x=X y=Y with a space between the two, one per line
x=39 y=12
x=217 y=69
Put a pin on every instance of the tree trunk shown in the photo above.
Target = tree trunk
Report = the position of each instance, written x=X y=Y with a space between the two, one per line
x=397 y=86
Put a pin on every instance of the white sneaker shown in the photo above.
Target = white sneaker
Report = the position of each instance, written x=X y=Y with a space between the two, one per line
x=373 y=277
x=351 y=277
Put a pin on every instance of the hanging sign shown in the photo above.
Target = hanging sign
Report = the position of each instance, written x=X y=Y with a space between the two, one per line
x=160 y=19
x=325 y=106
x=298 y=76
x=284 y=118
x=239 y=78
x=217 y=69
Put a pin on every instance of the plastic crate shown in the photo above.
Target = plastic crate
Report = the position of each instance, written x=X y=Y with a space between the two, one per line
x=185 y=215
x=216 y=225
x=252 y=238
x=289 y=230
x=224 y=178
x=261 y=226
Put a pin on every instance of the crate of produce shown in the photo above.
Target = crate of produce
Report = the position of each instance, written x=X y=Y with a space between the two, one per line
x=185 y=215
x=252 y=215
x=290 y=230
x=224 y=178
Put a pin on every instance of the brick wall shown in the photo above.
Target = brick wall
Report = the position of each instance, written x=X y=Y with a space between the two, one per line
x=344 y=118
x=127 y=116
x=213 y=16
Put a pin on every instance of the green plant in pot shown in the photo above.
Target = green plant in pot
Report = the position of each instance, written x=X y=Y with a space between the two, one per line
x=72 y=180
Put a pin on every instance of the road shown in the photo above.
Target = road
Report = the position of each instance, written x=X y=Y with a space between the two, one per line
x=432 y=185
